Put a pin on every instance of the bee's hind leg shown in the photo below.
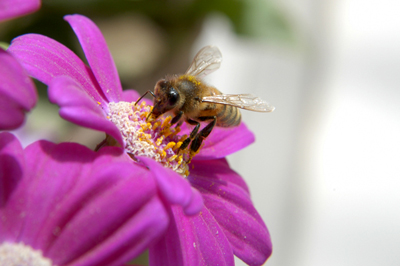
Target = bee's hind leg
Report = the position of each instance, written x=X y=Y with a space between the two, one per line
x=192 y=134
x=198 y=140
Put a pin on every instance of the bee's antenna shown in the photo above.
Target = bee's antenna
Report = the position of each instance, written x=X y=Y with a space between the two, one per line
x=141 y=97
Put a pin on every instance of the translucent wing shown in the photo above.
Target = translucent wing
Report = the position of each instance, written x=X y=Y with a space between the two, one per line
x=206 y=61
x=243 y=101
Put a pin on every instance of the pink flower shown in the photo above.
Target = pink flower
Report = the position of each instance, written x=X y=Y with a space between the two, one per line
x=17 y=91
x=15 y=8
x=92 y=97
x=67 y=205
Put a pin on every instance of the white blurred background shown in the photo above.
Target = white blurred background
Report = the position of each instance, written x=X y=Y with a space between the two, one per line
x=324 y=172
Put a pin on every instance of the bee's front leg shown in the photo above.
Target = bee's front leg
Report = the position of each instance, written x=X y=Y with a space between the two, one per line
x=177 y=118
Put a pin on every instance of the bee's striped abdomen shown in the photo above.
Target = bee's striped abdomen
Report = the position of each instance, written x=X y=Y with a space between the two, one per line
x=228 y=116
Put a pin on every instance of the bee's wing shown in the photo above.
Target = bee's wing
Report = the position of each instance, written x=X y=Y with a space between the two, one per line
x=243 y=101
x=206 y=61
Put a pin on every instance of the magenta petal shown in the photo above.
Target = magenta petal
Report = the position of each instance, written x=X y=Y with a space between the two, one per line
x=132 y=96
x=95 y=208
x=98 y=55
x=225 y=141
x=134 y=236
x=15 y=83
x=174 y=188
x=228 y=200
x=12 y=164
x=45 y=59
x=79 y=108
x=12 y=170
x=15 y=8
x=17 y=92
x=124 y=212
x=194 y=240
x=196 y=203
x=11 y=115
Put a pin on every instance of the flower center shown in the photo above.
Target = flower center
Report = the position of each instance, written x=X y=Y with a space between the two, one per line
x=155 y=139
x=16 y=254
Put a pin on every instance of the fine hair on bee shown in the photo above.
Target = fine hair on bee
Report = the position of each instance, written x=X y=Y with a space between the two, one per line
x=189 y=99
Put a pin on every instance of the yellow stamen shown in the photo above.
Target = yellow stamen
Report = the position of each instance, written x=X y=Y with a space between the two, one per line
x=177 y=130
x=180 y=159
x=162 y=153
x=144 y=115
x=159 y=140
x=156 y=125
x=169 y=145
x=166 y=121
x=177 y=145
x=166 y=132
x=147 y=136
x=145 y=126
x=173 y=157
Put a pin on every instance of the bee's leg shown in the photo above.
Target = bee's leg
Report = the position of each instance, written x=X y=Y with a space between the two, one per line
x=196 y=143
x=177 y=118
x=179 y=123
x=192 y=134
x=141 y=97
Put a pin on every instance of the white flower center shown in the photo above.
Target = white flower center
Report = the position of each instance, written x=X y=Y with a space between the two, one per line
x=19 y=254
x=154 y=139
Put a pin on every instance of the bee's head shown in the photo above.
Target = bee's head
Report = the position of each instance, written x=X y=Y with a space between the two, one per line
x=166 y=98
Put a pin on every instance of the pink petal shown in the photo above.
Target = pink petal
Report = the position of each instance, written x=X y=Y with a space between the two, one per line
x=98 y=55
x=15 y=8
x=84 y=208
x=11 y=115
x=196 y=203
x=45 y=59
x=79 y=108
x=194 y=240
x=132 y=96
x=17 y=92
x=12 y=164
x=229 y=202
x=174 y=188
x=216 y=168
x=130 y=239
x=222 y=141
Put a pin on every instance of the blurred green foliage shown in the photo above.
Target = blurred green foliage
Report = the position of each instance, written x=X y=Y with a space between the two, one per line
x=259 y=19
x=179 y=22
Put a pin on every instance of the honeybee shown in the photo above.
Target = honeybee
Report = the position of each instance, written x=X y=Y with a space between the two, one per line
x=191 y=100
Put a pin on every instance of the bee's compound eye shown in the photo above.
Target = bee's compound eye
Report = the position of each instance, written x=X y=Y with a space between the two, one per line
x=173 y=96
